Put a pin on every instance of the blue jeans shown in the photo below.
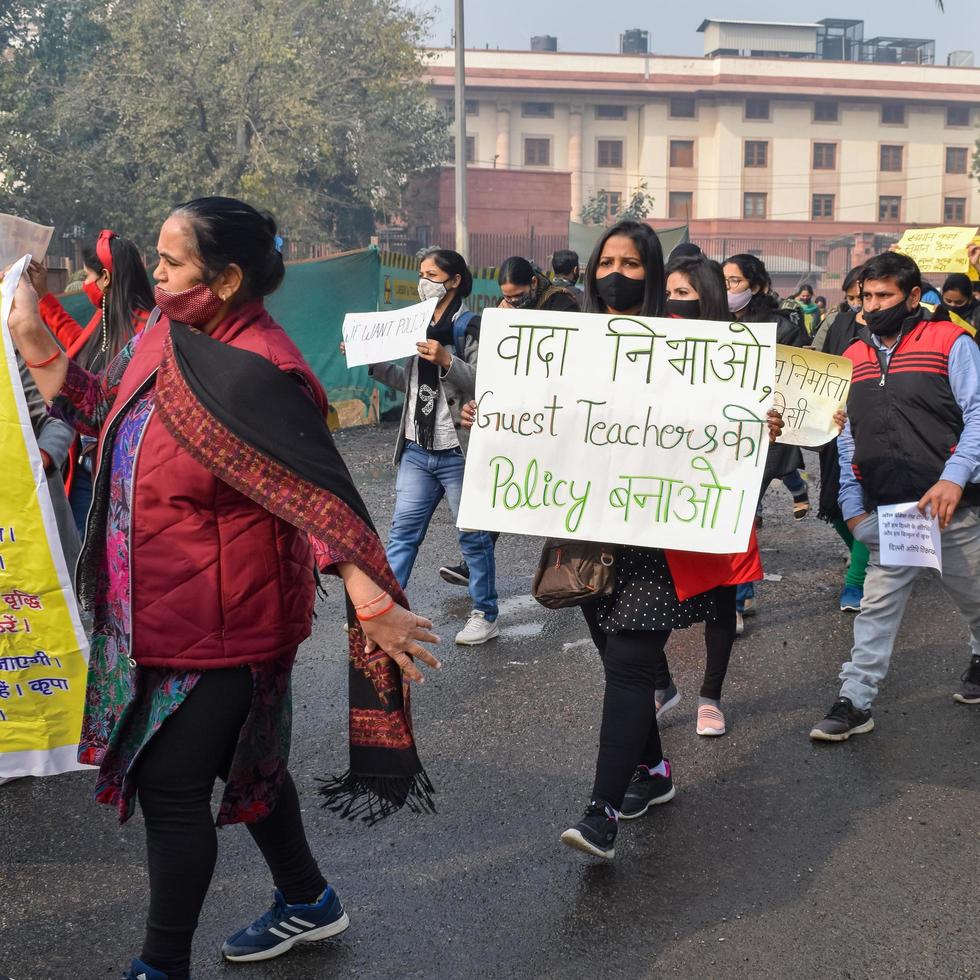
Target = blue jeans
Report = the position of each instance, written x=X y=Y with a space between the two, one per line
x=80 y=497
x=423 y=478
x=742 y=592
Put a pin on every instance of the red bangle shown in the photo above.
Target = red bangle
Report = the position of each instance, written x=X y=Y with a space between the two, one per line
x=45 y=363
x=388 y=608
x=364 y=605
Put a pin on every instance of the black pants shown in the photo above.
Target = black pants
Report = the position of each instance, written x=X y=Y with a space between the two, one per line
x=629 y=734
x=175 y=778
x=719 y=638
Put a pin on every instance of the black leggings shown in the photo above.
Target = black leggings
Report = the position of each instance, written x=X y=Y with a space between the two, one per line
x=175 y=778
x=629 y=734
x=719 y=638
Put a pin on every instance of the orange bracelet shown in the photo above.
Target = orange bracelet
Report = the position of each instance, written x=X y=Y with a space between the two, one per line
x=45 y=363
x=364 y=605
x=388 y=608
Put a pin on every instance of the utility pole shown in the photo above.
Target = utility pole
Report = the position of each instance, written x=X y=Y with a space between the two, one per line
x=462 y=233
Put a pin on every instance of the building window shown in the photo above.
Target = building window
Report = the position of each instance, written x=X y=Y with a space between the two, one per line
x=891 y=159
x=824 y=156
x=537 y=152
x=614 y=204
x=754 y=205
x=826 y=111
x=610 y=112
x=680 y=205
x=823 y=207
x=449 y=108
x=609 y=153
x=682 y=153
x=954 y=210
x=538 y=110
x=893 y=114
x=470 y=150
x=889 y=208
x=756 y=153
x=682 y=107
x=958 y=115
x=956 y=159
x=756 y=108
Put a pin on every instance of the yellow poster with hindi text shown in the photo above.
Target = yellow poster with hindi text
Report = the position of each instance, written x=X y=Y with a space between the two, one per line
x=43 y=648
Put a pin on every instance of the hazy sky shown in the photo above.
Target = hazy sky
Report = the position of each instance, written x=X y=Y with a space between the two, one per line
x=673 y=26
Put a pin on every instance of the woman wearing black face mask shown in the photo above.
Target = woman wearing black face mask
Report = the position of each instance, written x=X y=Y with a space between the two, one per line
x=524 y=289
x=630 y=628
x=696 y=291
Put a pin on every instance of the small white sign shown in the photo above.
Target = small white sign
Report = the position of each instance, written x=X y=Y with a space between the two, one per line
x=386 y=335
x=907 y=537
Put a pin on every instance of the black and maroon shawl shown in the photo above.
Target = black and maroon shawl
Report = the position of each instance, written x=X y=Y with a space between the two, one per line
x=254 y=427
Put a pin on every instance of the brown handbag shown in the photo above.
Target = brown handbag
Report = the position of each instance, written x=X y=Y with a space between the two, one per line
x=573 y=572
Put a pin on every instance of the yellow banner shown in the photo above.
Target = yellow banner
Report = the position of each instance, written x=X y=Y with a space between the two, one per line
x=43 y=649
x=810 y=387
x=939 y=250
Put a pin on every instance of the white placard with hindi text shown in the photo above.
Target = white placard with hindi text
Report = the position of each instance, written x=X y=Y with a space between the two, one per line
x=619 y=429
x=387 y=335
x=907 y=537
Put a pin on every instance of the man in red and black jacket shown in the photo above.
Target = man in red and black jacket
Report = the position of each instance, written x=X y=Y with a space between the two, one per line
x=912 y=435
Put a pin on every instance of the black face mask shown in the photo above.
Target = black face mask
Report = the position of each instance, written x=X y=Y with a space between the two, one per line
x=686 y=309
x=523 y=301
x=619 y=292
x=887 y=323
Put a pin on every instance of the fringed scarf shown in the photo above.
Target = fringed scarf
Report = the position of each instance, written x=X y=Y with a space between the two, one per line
x=254 y=427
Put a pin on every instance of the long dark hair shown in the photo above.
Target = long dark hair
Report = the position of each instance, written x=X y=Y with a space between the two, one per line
x=851 y=279
x=517 y=271
x=230 y=232
x=128 y=292
x=708 y=280
x=651 y=255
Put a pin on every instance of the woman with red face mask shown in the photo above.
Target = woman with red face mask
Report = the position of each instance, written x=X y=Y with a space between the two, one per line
x=118 y=287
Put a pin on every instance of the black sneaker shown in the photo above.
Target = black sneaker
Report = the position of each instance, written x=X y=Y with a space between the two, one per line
x=969 y=692
x=455 y=574
x=595 y=833
x=646 y=789
x=842 y=721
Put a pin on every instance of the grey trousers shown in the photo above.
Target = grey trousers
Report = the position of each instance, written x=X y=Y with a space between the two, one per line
x=887 y=590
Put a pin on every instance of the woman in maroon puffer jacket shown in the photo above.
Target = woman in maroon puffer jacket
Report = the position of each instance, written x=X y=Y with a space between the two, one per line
x=214 y=466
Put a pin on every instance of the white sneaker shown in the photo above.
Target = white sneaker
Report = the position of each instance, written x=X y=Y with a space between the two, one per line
x=478 y=629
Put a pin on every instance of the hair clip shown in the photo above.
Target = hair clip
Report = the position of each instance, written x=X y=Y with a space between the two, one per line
x=277 y=241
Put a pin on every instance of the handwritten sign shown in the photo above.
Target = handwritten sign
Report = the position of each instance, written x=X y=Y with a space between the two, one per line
x=43 y=650
x=619 y=429
x=810 y=387
x=939 y=250
x=386 y=335
x=907 y=537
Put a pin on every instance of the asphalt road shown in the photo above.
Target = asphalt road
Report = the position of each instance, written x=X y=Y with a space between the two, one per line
x=778 y=858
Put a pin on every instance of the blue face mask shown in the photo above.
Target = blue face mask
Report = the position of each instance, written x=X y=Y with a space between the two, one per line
x=854 y=307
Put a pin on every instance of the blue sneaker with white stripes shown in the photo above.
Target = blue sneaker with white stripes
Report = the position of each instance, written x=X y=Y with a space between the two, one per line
x=140 y=971
x=284 y=925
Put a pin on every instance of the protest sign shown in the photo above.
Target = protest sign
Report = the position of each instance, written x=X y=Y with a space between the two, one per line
x=43 y=650
x=907 y=537
x=387 y=335
x=619 y=429
x=18 y=237
x=939 y=250
x=810 y=387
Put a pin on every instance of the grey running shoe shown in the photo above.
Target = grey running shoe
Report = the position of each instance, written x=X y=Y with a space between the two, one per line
x=969 y=692
x=842 y=721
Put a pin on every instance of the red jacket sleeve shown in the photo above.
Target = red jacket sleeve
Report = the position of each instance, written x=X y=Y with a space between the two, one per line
x=58 y=321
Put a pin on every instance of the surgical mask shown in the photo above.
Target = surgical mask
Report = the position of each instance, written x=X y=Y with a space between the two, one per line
x=620 y=292
x=196 y=306
x=887 y=323
x=94 y=293
x=854 y=307
x=521 y=302
x=430 y=289
x=738 y=301
x=686 y=309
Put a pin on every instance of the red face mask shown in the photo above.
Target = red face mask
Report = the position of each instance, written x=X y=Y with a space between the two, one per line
x=195 y=306
x=94 y=293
